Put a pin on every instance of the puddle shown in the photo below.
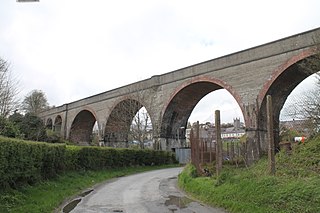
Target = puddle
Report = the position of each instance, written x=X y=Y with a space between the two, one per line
x=68 y=208
x=181 y=202
x=85 y=193
x=172 y=178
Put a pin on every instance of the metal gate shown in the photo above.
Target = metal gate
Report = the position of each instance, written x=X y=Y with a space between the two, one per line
x=203 y=150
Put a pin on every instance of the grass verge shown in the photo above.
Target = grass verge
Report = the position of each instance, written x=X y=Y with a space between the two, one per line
x=294 y=188
x=48 y=195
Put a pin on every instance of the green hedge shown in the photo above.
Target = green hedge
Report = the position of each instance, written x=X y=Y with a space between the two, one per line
x=27 y=162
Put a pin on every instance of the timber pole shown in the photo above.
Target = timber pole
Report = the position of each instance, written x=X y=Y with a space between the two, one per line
x=197 y=141
x=218 y=143
x=271 y=158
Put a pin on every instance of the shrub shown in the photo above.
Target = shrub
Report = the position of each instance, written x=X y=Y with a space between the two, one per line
x=8 y=129
x=53 y=137
x=27 y=162
x=72 y=158
x=33 y=128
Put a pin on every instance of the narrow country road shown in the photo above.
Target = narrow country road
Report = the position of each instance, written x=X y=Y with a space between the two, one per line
x=148 y=192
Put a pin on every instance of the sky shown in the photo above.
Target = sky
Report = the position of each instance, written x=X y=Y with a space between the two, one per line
x=72 y=49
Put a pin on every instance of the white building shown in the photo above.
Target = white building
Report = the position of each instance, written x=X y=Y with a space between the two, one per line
x=234 y=132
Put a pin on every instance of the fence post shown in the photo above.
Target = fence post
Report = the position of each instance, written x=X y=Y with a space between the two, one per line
x=210 y=149
x=232 y=150
x=197 y=140
x=192 y=147
x=271 y=159
x=218 y=142
x=228 y=151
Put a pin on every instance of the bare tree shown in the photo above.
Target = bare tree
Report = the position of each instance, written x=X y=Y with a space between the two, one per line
x=35 y=102
x=311 y=109
x=141 y=127
x=306 y=108
x=8 y=90
x=129 y=121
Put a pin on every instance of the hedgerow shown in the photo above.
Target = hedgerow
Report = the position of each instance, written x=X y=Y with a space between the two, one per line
x=28 y=162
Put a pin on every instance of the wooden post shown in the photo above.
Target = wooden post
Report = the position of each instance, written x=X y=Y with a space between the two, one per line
x=202 y=149
x=193 y=150
x=238 y=150
x=271 y=159
x=218 y=143
x=232 y=151
x=210 y=149
x=228 y=151
x=197 y=140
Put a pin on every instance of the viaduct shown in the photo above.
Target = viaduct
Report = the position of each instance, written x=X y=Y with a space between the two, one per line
x=275 y=69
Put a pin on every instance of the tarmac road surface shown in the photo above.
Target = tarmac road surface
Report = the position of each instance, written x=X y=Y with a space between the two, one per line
x=148 y=192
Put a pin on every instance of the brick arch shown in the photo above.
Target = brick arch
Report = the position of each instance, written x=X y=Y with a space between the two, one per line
x=284 y=68
x=82 y=125
x=185 y=97
x=120 y=119
x=142 y=102
x=282 y=82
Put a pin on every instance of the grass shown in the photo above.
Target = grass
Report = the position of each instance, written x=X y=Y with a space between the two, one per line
x=48 y=195
x=294 y=188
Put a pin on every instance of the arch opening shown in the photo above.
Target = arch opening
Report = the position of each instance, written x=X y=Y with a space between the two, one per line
x=57 y=124
x=82 y=127
x=119 y=124
x=95 y=139
x=182 y=105
x=300 y=114
x=141 y=130
x=49 y=124
x=280 y=89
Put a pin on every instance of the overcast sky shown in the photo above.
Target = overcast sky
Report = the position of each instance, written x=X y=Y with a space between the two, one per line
x=72 y=49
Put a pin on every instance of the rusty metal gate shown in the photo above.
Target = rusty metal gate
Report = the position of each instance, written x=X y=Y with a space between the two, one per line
x=202 y=149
